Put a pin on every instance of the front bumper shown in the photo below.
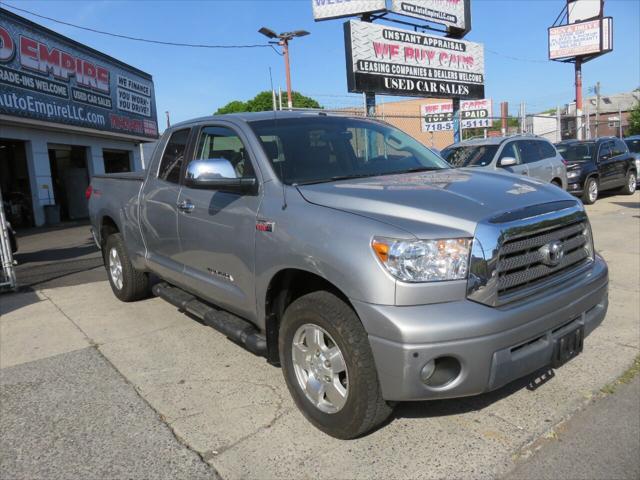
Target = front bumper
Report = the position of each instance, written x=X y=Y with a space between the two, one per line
x=494 y=346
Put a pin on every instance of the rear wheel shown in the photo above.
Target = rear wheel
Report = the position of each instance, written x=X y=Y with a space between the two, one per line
x=590 y=193
x=630 y=184
x=127 y=283
x=329 y=368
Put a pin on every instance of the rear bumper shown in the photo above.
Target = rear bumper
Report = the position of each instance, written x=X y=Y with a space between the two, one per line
x=494 y=346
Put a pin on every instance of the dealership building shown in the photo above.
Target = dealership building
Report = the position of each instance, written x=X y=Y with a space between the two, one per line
x=67 y=112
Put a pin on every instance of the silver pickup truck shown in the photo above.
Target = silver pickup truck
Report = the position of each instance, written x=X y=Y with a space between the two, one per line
x=354 y=257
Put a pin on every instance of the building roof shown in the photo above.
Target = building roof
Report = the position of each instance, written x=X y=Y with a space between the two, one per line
x=609 y=104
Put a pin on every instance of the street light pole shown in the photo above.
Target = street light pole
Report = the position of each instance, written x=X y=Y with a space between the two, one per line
x=283 y=41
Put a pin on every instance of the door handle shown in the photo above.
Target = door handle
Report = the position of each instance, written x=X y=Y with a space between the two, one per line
x=186 y=206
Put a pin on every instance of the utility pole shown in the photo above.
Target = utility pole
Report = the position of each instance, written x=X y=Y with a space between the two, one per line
x=578 y=72
x=168 y=119
x=558 y=125
x=283 y=41
x=504 y=113
x=620 y=121
x=597 y=108
x=457 y=135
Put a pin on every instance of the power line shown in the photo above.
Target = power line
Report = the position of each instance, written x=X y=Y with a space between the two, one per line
x=518 y=59
x=138 y=39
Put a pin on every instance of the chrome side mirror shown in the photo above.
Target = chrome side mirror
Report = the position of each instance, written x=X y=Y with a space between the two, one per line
x=508 y=162
x=217 y=174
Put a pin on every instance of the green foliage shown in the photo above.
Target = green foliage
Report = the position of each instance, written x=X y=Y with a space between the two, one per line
x=634 y=121
x=263 y=101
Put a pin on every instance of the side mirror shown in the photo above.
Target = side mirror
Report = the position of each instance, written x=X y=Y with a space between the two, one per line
x=508 y=162
x=217 y=174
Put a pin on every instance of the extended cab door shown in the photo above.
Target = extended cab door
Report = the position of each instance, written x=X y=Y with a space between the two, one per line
x=217 y=228
x=158 y=208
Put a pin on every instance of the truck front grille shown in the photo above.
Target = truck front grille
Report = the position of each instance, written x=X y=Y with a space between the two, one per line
x=523 y=264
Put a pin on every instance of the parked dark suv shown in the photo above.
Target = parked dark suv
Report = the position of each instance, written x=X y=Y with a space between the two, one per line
x=597 y=165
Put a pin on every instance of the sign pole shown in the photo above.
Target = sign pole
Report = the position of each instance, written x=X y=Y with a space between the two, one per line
x=456 y=120
x=578 y=71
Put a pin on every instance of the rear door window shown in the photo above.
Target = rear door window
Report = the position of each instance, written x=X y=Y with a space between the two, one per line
x=173 y=156
x=546 y=149
x=529 y=151
x=619 y=147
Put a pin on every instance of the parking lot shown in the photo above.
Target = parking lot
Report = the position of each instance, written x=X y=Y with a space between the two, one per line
x=92 y=387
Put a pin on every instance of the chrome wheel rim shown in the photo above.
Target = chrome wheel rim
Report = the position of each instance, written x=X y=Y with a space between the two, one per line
x=320 y=369
x=632 y=183
x=115 y=268
x=593 y=191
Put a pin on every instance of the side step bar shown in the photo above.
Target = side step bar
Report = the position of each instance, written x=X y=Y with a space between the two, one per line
x=226 y=323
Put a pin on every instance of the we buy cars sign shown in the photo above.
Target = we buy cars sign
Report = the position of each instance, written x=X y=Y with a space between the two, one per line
x=438 y=117
x=392 y=61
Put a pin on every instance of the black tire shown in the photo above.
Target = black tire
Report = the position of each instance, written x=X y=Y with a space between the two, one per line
x=135 y=284
x=364 y=408
x=587 y=198
x=629 y=183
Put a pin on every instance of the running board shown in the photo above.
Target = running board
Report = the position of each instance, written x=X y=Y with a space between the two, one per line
x=237 y=329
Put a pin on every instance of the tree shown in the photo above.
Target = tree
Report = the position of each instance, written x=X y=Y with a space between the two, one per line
x=634 y=121
x=263 y=101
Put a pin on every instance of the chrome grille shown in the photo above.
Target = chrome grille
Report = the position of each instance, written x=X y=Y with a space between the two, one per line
x=515 y=254
x=521 y=262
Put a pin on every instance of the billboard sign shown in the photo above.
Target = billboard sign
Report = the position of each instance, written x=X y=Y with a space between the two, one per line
x=581 y=39
x=580 y=10
x=438 y=117
x=328 y=9
x=452 y=13
x=391 y=61
x=48 y=77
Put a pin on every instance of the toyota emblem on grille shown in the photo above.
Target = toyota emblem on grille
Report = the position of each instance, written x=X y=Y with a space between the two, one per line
x=552 y=253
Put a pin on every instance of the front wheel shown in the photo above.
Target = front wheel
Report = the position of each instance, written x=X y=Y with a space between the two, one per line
x=590 y=193
x=127 y=283
x=630 y=184
x=328 y=366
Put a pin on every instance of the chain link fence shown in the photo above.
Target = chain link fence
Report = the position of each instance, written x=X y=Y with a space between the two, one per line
x=7 y=274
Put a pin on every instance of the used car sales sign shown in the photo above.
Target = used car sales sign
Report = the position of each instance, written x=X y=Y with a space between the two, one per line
x=391 y=61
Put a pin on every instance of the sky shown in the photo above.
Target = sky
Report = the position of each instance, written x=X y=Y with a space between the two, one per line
x=192 y=82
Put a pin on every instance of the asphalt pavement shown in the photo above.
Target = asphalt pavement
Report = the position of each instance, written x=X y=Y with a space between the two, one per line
x=600 y=442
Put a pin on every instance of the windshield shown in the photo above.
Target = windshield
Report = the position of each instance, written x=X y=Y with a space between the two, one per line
x=634 y=145
x=470 y=156
x=576 y=152
x=321 y=149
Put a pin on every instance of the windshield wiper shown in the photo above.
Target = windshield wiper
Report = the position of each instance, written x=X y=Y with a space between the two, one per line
x=414 y=170
x=339 y=177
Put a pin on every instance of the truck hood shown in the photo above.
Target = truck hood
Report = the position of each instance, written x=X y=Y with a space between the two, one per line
x=443 y=202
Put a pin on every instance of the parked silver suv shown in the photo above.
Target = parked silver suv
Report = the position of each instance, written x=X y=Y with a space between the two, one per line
x=535 y=157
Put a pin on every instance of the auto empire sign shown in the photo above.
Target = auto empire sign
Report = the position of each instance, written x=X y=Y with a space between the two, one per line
x=453 y=13
x=438 y=117
x=328 y=9
x=48 y=77
x=390 y=61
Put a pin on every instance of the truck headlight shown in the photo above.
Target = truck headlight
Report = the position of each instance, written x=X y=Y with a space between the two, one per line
x=573 y=174
x=588 y=246
x=424 y=260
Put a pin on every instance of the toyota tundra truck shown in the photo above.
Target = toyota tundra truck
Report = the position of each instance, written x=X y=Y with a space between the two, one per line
x=354 y=257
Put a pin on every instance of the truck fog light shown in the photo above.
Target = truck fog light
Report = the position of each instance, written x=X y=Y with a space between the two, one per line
x=427 y=371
